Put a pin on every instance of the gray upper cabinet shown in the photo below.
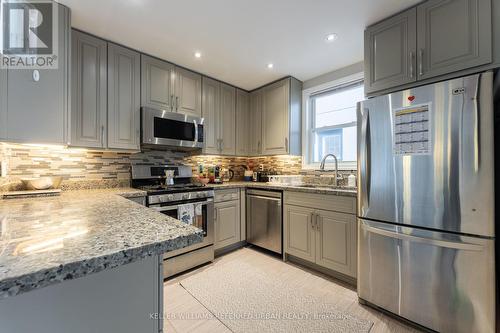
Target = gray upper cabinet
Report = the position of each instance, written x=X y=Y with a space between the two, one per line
x=89 y=91
x=123 y=98
x=227 y=120
x=3 y=104
x=453 y=35
x=281 y=118
x=390 y=52
x=37 y=111
x=242 y=122
x=255 y=116
x=187 y=92
x=211 y=110
x=157 y=87
x=276 y=99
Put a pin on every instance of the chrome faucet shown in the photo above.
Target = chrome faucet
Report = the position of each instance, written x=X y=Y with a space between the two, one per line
x=322 y=166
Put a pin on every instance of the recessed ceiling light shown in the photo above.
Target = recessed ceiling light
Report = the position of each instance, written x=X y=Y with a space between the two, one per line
x=270 y=66
x=331 y=37
x=197 y=54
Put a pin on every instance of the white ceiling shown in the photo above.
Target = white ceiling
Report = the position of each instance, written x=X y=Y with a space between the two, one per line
x=237 y=38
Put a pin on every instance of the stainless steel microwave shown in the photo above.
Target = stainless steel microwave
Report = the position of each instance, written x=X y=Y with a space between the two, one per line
x=171 y=130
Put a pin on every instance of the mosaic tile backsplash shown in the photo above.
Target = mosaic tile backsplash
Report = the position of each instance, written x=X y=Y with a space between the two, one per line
x=83 y=168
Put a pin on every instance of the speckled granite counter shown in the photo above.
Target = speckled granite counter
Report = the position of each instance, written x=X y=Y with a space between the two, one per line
x=319 y=189
x=47 y=240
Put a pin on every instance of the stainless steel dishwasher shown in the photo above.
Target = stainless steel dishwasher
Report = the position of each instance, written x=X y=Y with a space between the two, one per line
x=264 y=219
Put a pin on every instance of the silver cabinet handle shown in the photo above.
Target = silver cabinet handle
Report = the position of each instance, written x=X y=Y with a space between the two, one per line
x=102 y=135
x=172 y=102
x=177 y=103
x=312 y=221
x=420 y=62
x=221 y=144
x=412 y=72
x=286 y=144
x=318 y=224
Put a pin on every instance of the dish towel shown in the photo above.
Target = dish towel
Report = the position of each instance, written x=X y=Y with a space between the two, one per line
x=198 y=215
x=185 y=213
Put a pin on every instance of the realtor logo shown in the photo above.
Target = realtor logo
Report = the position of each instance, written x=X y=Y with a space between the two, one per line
x=29 y=35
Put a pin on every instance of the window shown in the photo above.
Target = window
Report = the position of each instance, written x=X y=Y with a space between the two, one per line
x=331 y=125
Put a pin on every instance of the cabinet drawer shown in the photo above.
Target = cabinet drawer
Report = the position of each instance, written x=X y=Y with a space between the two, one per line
x=335 y=203
x=227 y=195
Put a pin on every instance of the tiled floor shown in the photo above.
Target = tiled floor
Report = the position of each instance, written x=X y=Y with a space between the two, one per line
x=185 y=314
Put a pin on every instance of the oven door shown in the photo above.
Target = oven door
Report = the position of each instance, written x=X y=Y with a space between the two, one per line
x=204 y=220
x=171 y=129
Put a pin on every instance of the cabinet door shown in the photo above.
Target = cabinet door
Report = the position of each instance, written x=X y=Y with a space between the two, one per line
x=227 y=223
x=390 y=52
x=336 y=241
x=242 y=122
x=157 y=84
x=227 y=120
x=210 y=112
x=299 y=234
x=255 y=145
x=123 y=98
x=187 y=92
x=37 y=111
x=3 y=104
x=89 y=84
x=453 y=35
x=276 y=103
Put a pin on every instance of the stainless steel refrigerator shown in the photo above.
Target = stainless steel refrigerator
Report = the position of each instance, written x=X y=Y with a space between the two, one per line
x=426 y=204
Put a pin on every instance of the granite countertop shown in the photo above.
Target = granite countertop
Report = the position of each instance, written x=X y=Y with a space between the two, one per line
x=47 y=240
x=318 y=189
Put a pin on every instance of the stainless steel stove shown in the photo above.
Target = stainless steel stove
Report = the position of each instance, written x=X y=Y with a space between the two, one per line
x=189 y=202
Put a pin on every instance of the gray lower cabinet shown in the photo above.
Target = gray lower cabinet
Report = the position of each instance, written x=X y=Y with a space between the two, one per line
x=3 y=104
x=242 y=123
x=453 y=35
x=124 y=98
x=390 y=52
x=227 y=218
x=300 y=236
x=324 y=237
x=219 y=112
x=157 y=84
x=36 y=111
x=255 y=124
x=188 y=92
x=89 y=91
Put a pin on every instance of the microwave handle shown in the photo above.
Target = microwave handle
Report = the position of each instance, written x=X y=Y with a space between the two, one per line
x=195 y=131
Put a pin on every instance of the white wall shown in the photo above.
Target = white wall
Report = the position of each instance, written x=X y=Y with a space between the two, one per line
x=334 y=75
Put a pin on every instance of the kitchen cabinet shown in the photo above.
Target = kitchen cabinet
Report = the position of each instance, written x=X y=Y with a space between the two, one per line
x=3 y=104
x=255 y=123
x=187 y=90
x=157 y=82
x=325 y=237
x=219 y=112
x=281 y=118
x=242 y=122
x=89 y=91
x=227 y=218
x=453 y=35
x=433 y=39
x=227 y=119
x=123 y=98
x=168 y=87
x=300 y=237
x=36 y=111
x=390 y=52
x=210 y=112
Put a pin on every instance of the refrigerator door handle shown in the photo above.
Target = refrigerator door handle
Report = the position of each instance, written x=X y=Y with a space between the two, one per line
x=429 y=241
x=365 y=158
x=477 y=125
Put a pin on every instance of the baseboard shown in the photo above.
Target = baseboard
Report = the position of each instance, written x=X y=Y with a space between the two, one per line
x=229 y=248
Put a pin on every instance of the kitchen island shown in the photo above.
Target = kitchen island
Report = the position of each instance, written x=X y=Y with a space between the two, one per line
x=85 y=261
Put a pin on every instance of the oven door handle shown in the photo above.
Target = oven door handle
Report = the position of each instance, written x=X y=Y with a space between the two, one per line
x=173 y=207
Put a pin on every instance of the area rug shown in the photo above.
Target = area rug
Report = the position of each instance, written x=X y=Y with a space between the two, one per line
x=246 y=299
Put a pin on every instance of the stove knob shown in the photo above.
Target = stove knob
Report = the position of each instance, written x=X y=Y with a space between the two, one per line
x=185 y=196
x=170 y=197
